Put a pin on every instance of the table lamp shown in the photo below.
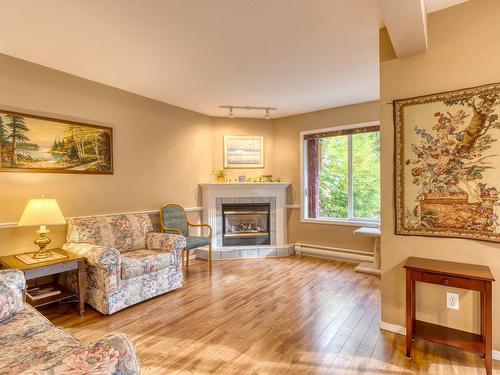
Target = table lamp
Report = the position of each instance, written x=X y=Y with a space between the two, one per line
x=42 y=212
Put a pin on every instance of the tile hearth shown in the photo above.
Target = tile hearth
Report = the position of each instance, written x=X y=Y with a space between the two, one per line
x=247 y=252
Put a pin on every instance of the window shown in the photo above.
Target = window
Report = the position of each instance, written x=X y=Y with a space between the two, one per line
x=341 y=171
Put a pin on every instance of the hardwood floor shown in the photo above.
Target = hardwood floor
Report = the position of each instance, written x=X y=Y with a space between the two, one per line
x=295 y=315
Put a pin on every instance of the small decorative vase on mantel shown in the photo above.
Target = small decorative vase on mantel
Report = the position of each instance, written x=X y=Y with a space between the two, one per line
x=220 y=175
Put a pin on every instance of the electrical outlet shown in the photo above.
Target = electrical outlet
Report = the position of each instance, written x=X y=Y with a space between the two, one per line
x=452 y=301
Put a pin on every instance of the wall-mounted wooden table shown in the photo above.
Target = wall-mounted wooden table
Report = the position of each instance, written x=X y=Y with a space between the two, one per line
x=367 y=267
x=71 y=262
x=458 y=275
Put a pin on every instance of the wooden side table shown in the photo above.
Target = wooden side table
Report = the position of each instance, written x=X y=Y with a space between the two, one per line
x=458 y=275
x=71 y=262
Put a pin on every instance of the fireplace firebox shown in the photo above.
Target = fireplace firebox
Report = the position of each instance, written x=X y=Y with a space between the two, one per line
x=245 y=224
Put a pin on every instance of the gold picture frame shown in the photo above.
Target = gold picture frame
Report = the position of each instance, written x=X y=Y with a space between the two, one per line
x=30 y=143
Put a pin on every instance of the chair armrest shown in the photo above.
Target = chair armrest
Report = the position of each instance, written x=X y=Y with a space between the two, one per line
x=103 y=270
x=14 y=278
x=97 y=256
x=114 y=354
x=203 y=225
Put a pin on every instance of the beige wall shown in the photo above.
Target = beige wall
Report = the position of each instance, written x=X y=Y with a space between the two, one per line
x=238 y=126
x=161 y=153
x=155 y=160
x=287 y=165
x=464 y=51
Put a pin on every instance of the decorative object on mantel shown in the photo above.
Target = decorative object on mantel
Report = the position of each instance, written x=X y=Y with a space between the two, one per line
x=221 y=175
x=447 y=164
x=31 y=143
x=42 y=212
x=243 y=151
x=242 y=179
x=367 y=267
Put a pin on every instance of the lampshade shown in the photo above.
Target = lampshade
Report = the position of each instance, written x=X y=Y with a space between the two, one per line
x=41 y=212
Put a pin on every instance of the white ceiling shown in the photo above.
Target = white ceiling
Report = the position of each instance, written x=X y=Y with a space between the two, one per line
x=297 y=55
x=435 y=5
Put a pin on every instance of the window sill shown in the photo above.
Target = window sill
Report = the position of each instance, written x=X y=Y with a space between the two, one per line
x=353 y=223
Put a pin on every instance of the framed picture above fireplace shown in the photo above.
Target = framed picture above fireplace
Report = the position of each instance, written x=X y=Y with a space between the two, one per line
x=243 y=151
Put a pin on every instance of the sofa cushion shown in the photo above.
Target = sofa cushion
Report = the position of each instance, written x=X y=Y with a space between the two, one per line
x=139 y=262
x=42 y=347
x=113 y=354
x=11 y=301
x=122 y=232
x=23 y=325
x=192 y=242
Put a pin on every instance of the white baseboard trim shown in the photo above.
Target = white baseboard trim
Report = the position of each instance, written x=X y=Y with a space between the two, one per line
x=402 y=331
x=393 y=328
x=346 y=255
x=187 y=209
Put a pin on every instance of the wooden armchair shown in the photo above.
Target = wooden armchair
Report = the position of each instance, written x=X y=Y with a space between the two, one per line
x=173 y=219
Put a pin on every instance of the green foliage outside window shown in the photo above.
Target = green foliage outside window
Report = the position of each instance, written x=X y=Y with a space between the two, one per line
x=334 y=176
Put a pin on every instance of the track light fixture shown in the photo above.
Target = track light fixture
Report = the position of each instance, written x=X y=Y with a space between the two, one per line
x=248 y=107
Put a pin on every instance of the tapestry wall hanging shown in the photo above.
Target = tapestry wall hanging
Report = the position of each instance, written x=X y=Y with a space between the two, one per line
x=39 y=144
x=447 y=160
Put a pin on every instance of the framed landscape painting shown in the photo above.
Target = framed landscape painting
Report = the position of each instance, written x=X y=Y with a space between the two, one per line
x=243 y=151
x=447 y=156
x=39 y=144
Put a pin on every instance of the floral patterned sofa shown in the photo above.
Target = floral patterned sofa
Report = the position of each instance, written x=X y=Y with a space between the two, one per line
x=30 y=344
x=126 y=261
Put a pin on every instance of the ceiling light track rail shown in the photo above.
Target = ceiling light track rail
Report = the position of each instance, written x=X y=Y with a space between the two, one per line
x=248 y=108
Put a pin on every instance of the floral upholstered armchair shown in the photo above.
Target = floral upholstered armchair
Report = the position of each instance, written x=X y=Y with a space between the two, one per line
x=173 y=219
x=30 y=344
x=126 y=261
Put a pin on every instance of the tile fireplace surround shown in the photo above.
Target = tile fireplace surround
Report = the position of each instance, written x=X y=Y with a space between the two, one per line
x=275 y=193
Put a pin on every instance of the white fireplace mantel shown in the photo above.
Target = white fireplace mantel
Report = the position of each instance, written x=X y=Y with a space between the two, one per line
x=245 y=185
x=277 y=190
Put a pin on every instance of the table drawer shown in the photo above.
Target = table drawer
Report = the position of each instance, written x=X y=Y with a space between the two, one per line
x=457 y=282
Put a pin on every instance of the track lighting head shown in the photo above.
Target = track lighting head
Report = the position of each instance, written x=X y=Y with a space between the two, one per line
x=231 y=115
x=267 y=116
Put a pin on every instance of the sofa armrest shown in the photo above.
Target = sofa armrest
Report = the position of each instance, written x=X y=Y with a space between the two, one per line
x=12 y=284
x=14 y=278
x=172 y=243
x=97 y=256
x=114 y=354
x=103 y=269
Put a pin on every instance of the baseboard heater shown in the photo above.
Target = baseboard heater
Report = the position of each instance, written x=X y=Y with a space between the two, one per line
x=345 y=255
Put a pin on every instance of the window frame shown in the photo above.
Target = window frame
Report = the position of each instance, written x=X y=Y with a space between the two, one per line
x=375 y=223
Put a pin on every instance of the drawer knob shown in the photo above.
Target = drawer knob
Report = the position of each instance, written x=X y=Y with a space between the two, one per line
x=445 y=281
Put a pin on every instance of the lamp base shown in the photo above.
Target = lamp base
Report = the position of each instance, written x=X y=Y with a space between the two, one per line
x=42 y=241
